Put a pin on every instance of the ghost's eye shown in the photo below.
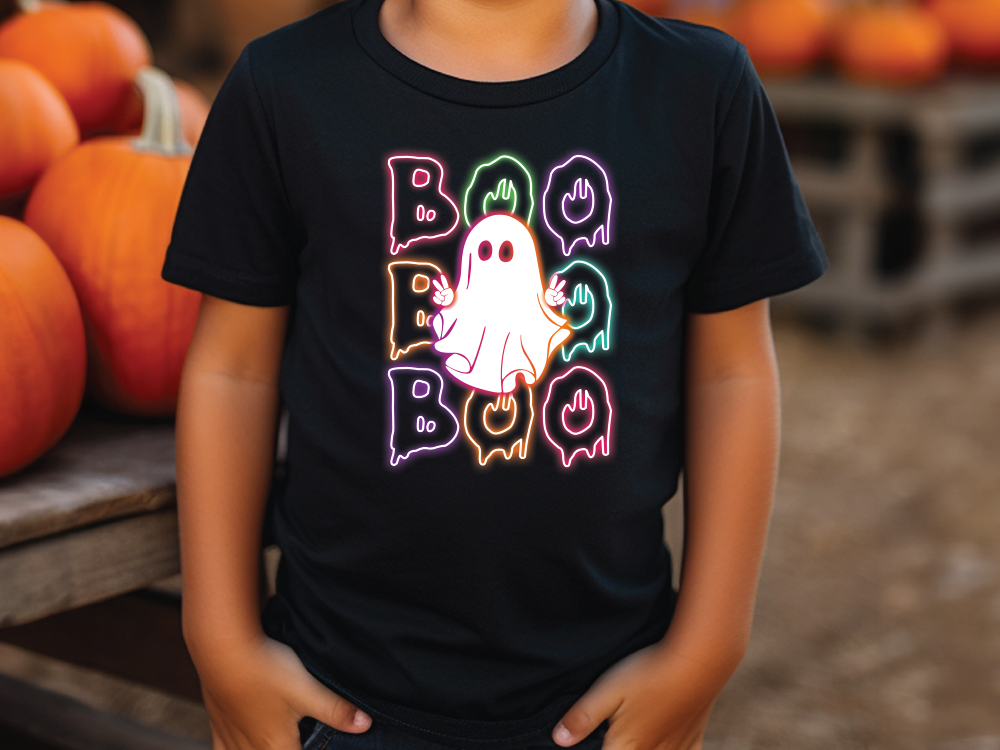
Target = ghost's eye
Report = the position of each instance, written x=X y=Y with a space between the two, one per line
x=486 y=250
x=506 y=251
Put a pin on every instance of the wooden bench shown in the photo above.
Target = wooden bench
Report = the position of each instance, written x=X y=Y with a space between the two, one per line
x=89 y=565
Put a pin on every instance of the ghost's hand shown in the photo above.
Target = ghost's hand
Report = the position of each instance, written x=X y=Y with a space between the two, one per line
x=554 y=296
x=444 y=295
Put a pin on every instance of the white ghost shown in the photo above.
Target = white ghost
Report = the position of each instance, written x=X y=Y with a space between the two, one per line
x=498 y=321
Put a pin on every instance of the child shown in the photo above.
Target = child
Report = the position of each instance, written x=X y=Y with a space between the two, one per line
x=506 y=263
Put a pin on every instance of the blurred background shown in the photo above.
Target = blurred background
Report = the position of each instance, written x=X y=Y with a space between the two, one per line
x=878 y=618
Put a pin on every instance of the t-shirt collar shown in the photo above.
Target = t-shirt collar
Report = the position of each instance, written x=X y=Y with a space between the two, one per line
x=487 y=93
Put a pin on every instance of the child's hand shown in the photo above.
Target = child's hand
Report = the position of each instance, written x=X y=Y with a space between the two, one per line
x=256 y=693
x=654 y=699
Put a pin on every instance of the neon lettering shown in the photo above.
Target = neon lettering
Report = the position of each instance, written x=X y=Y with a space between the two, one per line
x=409 y=311
x=479 y=420
x=504 y=181
x=421 y=209
x=587 y=290
x=419 y=422
x=576 y=414
x=576 y=204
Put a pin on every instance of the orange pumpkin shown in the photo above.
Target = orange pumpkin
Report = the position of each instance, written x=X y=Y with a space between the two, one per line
x=90 y=51
x=890 y=44
x=107 y=210
x=194 y=112
x=783 y=36
x=36 y=126
x=973 y=27
x=42 y=350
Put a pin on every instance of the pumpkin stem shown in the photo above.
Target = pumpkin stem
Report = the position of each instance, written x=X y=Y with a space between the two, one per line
x=29 y=6
x=161 y=119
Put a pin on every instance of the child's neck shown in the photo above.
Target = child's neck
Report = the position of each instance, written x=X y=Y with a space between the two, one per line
x=489 y=40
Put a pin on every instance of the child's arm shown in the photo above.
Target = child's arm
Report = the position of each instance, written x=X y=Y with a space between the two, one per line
x=660 y=696
x=255 y=689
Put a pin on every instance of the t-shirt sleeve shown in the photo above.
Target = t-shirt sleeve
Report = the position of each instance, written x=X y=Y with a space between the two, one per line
x=234 y=235
x=760 y=240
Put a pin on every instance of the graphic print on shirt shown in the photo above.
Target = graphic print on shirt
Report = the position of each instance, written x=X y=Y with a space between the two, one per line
x=419 y=413
x=501 y=184
x=498 y=322
x=591 y=295
x=481 y=336
x=425 y=210
x=517 y=413
x=577 y=203
x=571 y=401
x=408 y=324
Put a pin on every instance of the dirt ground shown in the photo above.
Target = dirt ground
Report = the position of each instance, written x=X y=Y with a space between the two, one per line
x=878 y=618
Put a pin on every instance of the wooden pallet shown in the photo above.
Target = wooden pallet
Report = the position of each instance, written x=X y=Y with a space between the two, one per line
x=904 y=188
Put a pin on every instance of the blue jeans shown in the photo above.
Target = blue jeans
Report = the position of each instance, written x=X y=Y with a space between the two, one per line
x=315 y=735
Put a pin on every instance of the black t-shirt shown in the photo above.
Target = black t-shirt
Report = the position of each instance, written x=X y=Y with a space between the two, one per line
x=483 y=362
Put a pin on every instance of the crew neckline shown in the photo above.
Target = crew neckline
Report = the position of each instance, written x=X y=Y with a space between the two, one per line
x=487 y=93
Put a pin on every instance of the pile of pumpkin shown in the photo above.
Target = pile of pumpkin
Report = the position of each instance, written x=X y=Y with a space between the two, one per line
x=96 y=144
x=887 y=42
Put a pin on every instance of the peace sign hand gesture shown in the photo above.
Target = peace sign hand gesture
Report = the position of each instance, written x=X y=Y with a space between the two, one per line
x=444 y=295
x=554 y=296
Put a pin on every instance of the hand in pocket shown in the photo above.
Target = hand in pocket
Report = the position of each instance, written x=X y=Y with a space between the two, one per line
x=257 y=692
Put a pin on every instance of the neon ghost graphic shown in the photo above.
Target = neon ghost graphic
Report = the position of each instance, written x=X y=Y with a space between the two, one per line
x=498 y=321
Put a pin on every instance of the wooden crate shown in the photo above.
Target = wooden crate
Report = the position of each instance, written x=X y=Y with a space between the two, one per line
x=904 y=188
